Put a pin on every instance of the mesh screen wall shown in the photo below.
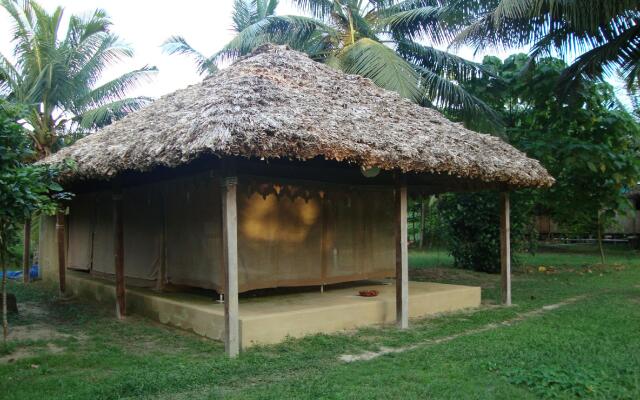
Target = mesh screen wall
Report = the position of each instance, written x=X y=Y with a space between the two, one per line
x=304 y=234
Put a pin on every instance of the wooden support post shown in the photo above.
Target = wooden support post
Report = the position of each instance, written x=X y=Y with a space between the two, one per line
x=230 y=268
x=402 y=256
x=60 y=235
x=26 y=253
x=118 y=243
x=505 y=248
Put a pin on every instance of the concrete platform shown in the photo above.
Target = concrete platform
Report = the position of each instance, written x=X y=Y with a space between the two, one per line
x=272 y=318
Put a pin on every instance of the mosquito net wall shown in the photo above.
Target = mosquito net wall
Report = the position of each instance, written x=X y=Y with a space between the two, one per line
x=103 y=234
x=142 y=208
x=288 y=235
x=286 y=240
x=80 y=232
x=362 y=244
x=279 y=241
x=194 y=232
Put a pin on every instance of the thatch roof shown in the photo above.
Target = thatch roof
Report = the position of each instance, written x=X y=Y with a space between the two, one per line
x=278 y=103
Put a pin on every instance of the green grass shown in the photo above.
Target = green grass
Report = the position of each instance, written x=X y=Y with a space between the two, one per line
x=588 y=348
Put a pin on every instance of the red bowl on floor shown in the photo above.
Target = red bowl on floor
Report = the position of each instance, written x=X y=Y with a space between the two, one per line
x=368 y=293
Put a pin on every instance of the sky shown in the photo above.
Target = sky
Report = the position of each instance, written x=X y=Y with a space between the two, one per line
x=146 y=24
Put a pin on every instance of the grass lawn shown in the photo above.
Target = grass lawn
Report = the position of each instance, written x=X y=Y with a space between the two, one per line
x=574 y=331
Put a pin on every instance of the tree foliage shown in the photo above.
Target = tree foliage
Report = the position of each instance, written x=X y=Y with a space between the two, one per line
x=589 y=143
x=24 y=188
x=603 y=34
x=57 y=77
x=471 y=227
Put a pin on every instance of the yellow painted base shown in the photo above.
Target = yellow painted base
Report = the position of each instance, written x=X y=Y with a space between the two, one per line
x=270 y=319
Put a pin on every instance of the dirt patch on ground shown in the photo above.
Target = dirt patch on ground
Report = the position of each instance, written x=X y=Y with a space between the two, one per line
x=16 y=355
x=23 y=353
x=32 y=310
x=35 y=332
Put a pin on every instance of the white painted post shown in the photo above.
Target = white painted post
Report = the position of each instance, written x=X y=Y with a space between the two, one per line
x=230 y=249
x=402 y=258
x=505 y=248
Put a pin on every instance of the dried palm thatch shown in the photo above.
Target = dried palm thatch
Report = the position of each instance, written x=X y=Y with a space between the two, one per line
x=278 y=103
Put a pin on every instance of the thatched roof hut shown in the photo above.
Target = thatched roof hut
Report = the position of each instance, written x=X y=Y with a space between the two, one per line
x=278 y=103
x=276 y=171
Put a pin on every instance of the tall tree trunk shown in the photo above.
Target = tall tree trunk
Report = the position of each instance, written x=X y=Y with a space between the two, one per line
x=422 y=219
x=600 y=246
x=26 y=254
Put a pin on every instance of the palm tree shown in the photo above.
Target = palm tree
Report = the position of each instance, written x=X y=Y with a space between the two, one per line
x=56 y=78
x=603 y=34
x=383 y=40
x=378 y=39
x=245 y=14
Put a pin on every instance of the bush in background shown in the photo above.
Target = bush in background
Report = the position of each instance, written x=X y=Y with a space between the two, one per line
x=471 y=228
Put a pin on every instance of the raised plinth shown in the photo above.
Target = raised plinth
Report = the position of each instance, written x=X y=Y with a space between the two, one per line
x=272 y=318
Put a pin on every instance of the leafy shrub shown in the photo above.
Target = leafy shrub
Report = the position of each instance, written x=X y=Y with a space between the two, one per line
x=471 y=228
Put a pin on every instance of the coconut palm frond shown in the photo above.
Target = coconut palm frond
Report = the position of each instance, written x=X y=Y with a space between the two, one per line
x=88 y=62
x=377 y=39
x=621 y=52
x=440 y=62
x=602 y=34
x=115 y=89
x=109 y=112
x=382 y=65
x=56 y=72
x=291 y=30
x=419 y=22
x=243 y=14
x=454 y=100
x=179 y=45
x=321 y=9
x=10 y=79
x=269 y=7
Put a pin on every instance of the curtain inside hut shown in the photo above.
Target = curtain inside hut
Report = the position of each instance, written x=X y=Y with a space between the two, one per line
x=297 y=235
